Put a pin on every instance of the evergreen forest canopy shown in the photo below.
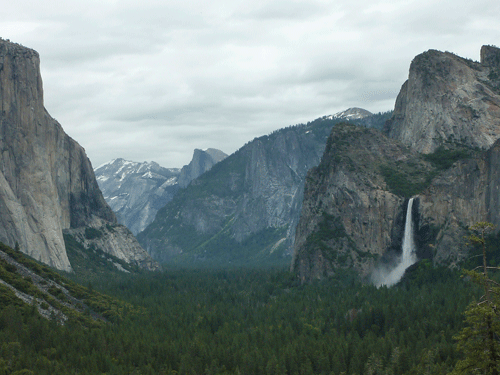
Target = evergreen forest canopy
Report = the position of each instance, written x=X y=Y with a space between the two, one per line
x=246 y=321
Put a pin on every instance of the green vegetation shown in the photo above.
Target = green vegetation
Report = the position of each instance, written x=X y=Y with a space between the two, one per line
x=407 y=179
x=478 y=341
x=444 y=158
x=329 y=239
x=54 y=290
x=406 y=184
x=92 y=233
x=262 y=249
x=91 y=264
x=246 y=321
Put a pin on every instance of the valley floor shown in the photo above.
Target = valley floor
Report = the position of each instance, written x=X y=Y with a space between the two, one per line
x=250 y=322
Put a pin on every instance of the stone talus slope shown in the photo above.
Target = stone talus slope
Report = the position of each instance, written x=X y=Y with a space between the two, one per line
x=47 y=184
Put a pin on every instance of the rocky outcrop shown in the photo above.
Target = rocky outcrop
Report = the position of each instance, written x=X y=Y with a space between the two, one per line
x=350 y=217
x=203 y=161
x=447 y=116
x=467 y=193
x=449 y=100
x=47 y=184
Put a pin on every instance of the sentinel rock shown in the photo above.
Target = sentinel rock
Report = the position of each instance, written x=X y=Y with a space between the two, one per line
x=47 y=184
x=449 y=99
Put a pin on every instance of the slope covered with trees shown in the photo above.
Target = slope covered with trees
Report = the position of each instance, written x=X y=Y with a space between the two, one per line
x=246 y=321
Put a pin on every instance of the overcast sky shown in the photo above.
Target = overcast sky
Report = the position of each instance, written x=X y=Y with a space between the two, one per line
x=154 y=79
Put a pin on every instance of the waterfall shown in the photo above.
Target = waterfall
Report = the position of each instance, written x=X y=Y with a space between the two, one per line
x=408 y=256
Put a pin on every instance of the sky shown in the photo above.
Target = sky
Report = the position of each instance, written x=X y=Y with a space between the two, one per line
x=152 y=80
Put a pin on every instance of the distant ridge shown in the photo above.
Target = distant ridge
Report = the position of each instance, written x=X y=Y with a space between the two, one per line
x=350 y=114
x=136 y=191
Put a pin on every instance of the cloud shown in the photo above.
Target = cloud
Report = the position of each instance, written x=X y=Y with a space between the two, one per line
x=153 y=80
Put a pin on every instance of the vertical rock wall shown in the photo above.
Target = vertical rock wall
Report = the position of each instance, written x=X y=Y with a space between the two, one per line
x=47 y=184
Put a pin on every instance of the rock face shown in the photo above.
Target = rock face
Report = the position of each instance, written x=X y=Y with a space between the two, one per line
x=203 y=161
x=443 y=150
x=350 y=216
x=245 y=209
x=47 y=184
x=448 y=99
x=136 y=191
x=465 y=194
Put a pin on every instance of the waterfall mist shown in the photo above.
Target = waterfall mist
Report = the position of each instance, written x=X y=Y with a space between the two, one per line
x=387 y=275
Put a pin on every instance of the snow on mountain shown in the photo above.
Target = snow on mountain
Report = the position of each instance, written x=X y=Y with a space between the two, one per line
x=136 y=191
x=350 y=114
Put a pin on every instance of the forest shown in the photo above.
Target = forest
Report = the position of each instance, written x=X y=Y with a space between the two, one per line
x=248 y=321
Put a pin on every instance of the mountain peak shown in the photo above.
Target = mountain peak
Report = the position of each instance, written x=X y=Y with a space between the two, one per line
x=449 y=99
x=353 y=113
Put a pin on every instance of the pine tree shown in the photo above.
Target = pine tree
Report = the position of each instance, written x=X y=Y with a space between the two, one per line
x=479 y=340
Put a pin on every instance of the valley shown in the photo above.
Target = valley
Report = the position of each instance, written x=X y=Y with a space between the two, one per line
x=334 y=246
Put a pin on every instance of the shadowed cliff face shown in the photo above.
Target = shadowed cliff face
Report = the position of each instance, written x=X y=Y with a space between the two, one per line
x=350 y=218
x=465 y=194
x=47 y=184
x=448 y=99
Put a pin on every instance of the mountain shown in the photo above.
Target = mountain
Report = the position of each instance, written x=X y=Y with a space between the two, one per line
x=136 y=191
x=441 y=147
x=201 y=162
x=449 y=99
x=47 y=185
x=245 y=209
x=350 y=114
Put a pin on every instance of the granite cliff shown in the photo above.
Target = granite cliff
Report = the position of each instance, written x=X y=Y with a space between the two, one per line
x=47 y=185
x=440 y=146
x=136 y=191
x=202 y=161
x=449 y=99
x=352 y=213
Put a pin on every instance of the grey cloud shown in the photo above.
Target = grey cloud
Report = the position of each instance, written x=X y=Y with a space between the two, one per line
x=155 y=79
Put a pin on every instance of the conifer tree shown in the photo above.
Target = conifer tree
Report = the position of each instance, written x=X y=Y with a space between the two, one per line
x=479 y=340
